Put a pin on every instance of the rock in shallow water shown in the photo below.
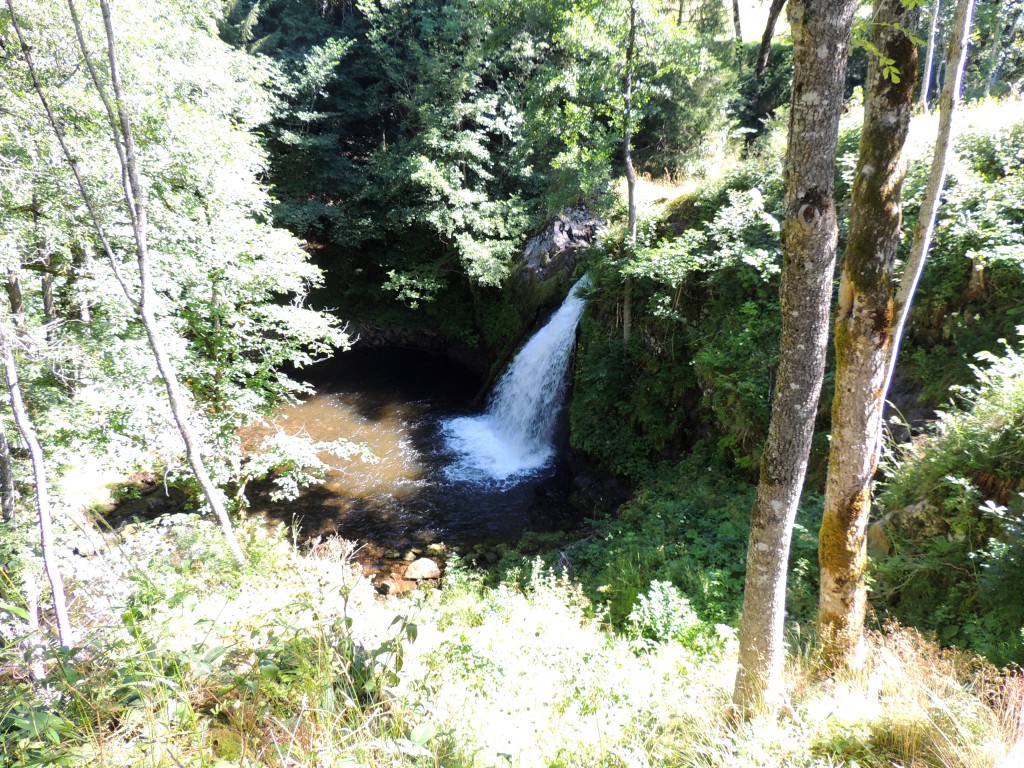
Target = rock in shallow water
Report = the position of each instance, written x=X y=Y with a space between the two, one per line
x=421 y=569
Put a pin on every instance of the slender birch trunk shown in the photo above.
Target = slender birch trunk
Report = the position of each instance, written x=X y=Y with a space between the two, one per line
x=821 y=37
x=929 y=59
x=955 y=63
x=863 y=326
x=136 y=200
x=627 y=156
x=65 y=633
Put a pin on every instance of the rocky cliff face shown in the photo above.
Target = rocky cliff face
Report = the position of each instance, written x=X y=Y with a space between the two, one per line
x=556 y=249
x=538 y=283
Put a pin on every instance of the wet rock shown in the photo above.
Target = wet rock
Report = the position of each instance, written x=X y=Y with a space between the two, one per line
x=554 y=249
x=85 y=546
x=920 y=519
x=436 y=549
x=409 y=556
x=878 y=542
x=394 y=586
x=421 y=569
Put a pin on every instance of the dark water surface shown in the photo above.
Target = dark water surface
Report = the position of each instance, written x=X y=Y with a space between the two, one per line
x=394 y=401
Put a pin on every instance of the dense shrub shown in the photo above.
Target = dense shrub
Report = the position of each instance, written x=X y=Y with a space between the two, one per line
x=688 y=527
x=956 y=517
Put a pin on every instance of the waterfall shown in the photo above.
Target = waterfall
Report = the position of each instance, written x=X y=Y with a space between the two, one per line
x=515 y=435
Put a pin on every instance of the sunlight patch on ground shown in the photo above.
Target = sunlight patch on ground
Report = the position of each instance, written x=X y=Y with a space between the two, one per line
x=656 y=193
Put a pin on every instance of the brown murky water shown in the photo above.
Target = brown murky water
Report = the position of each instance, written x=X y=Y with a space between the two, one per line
x=394 y=402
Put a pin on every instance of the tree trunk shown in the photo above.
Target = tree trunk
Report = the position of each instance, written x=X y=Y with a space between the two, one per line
x=863 y=327
x=8 y=493
x=929 y=59
x=627 y=156
x=736 y=20
x=766 y=39
x=49 y=307
x=821 y=34
x=136 y=201
x=14 y=297
x=994 y=63
x=28 y=434
x=955 y=62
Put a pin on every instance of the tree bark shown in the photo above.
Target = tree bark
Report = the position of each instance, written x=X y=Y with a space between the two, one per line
x=955 y=62
x=863 y=327
x=8 y=493
x=821 y=34
x=736 y=20
x=627 y=156
x=65 y=633
x=15 y=298
x=994 y=64
x=929 y=59
x=766 y=39
x=136 y=201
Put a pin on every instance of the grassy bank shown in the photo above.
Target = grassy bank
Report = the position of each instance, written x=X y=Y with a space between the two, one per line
x=186 y=660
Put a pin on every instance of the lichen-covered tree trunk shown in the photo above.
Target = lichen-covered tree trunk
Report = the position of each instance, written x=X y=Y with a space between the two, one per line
x=821 y=34
x=956 y=60
x=863 y=326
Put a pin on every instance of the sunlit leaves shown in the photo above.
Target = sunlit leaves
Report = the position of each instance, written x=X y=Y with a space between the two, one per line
x=230 y=284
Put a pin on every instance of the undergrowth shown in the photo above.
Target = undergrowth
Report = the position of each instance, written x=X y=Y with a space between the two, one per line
x=296 y=663
x=954 y=511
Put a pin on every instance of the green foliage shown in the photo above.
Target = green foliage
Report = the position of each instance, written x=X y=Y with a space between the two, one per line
x=998 y=38
x=972 y=290
x=705 y=298
x=688 y=527
x=663 y=615
x=295 y=462
x=420 y=143
x=957 y=518
x=195 y=668
x=231 y=288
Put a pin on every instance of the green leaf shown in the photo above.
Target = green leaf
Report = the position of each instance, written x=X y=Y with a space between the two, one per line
x=15 y=610
x=215 y=654
x=423 y=733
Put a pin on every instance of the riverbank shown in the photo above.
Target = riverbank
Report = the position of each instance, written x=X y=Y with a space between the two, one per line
x=295 y=660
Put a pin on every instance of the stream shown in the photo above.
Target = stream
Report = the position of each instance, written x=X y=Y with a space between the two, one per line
x=441 y=473
x=398 y=403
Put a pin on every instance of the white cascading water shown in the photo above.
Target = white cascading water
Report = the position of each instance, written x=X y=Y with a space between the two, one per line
x=516 y=434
